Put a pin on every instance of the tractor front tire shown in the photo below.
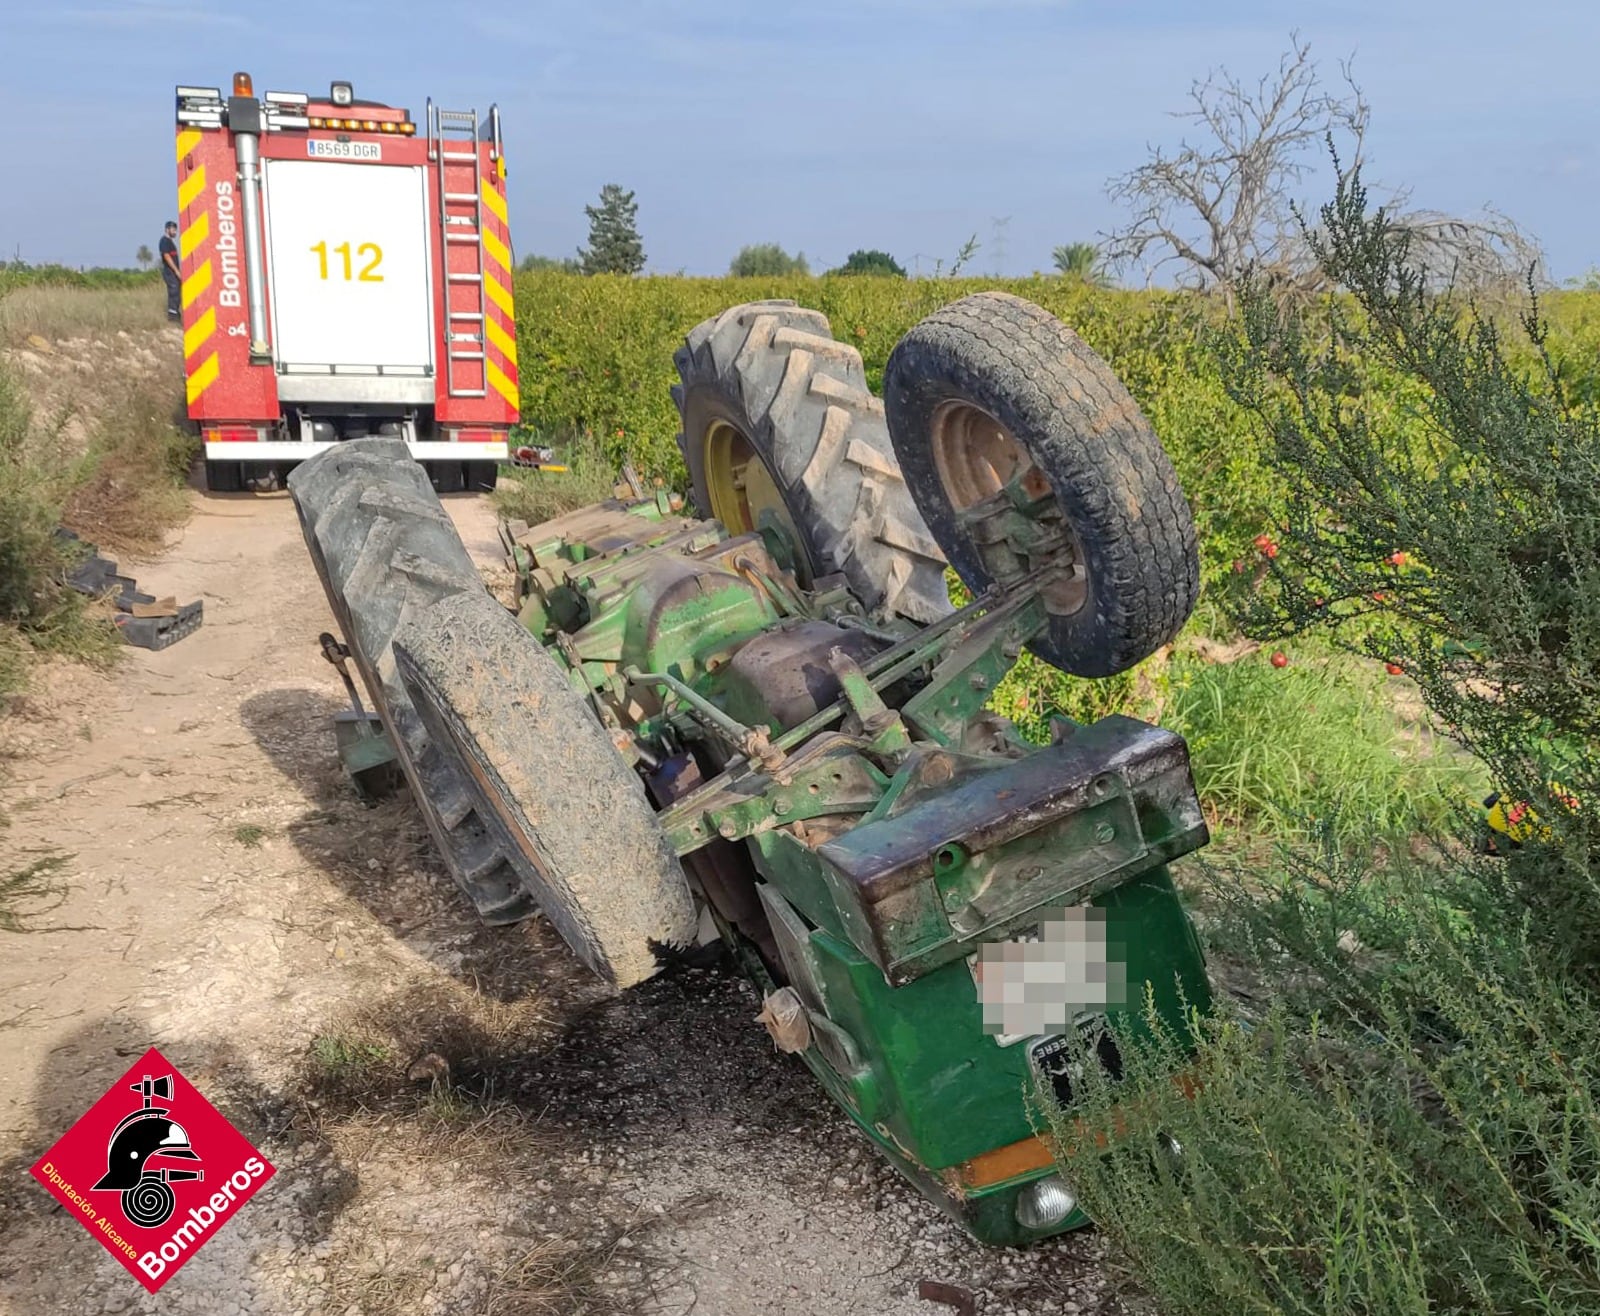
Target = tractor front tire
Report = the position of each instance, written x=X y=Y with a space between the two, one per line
x=385 y=550
x=993 y=391
x=771 y=405
x=550 y=783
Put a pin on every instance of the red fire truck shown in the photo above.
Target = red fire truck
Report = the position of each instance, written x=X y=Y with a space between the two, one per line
x=346 y=272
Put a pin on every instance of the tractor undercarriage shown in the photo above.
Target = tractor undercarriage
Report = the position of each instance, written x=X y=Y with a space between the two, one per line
x=770 y=723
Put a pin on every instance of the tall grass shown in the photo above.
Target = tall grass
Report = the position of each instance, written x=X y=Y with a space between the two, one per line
x=36 y=612
x=539 y=495
x=1313 y=748
x=53 y=312
x=131 y=488
x=122 y=488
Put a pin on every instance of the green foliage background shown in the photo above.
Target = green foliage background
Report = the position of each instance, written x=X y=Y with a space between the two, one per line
x=19 y=274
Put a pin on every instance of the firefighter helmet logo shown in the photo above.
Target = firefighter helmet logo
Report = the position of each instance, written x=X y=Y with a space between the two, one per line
x=132 y=1173
x=144 y=1136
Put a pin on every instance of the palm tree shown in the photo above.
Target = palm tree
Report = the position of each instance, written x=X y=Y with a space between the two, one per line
x=1081 y=260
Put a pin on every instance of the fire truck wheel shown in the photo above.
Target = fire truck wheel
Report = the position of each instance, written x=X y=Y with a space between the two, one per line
x=446 y=476
x=384 y=548
x=481 y=477
x=223 y=477
x=549 y=781
x=780 y=429
x=1025 y=452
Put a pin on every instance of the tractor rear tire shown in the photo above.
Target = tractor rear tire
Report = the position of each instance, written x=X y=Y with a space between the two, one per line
x=993 y=390
x=385 y=550
x=767 y=383
x=546 y=777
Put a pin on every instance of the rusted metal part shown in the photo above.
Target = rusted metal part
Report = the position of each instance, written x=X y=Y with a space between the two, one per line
x=783 y=677
x=979 y=860
x=877 y=721
x=720 y=870
x=830 y=775
x=339 y=655
x=364 y=750
x=951 y=1295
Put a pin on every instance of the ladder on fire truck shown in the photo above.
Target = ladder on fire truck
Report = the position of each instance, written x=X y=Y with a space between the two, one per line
x=453 y=149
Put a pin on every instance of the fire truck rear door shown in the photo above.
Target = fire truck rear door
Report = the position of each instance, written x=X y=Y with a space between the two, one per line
x=350 y=270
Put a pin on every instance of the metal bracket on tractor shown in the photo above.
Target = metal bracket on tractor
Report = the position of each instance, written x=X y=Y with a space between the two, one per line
x=769 y=715
x=364 y=750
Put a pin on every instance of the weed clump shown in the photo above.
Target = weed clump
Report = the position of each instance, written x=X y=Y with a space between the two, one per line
x=119 y=485
x=535 y=496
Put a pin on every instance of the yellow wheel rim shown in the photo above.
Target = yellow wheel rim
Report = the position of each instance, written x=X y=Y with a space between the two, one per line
x=742 y=489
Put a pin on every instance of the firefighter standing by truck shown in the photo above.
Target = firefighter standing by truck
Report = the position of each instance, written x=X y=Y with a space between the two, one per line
x=169 y=268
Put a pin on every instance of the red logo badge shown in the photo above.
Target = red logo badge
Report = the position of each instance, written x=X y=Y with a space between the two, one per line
x=152 y=1170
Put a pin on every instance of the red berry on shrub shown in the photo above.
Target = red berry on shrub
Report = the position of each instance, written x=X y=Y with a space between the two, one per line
x=1379 y=597
x=1280 y=659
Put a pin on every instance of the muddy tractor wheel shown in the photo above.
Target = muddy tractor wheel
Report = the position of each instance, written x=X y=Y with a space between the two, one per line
x=779 y=428
x=385 y=550
x=548 y=780
x=1027 y=456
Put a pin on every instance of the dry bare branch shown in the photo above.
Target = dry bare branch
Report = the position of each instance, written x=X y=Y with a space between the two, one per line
x=1221 y=205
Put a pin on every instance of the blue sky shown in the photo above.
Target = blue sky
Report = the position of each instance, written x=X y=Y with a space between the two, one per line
x=825 y=126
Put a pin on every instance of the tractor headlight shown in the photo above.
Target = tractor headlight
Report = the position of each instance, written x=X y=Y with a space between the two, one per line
x=1045 y=1203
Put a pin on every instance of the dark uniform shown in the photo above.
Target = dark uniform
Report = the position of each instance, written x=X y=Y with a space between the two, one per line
x=170 y=271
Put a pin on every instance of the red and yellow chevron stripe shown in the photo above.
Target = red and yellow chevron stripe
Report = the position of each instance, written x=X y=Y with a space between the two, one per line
x=499 y=321
x=194 y=258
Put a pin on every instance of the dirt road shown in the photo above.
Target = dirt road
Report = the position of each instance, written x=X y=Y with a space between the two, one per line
x=461 y=1120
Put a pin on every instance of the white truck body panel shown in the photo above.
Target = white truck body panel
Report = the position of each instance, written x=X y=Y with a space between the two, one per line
x=351 y=272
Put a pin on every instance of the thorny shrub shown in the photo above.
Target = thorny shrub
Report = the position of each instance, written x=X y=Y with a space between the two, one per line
x=1402 y=1114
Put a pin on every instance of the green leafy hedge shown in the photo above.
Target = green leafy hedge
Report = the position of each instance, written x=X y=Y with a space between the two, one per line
x=596 y=355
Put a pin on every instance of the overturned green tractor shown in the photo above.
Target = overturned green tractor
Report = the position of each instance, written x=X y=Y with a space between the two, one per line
x=767 y=724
